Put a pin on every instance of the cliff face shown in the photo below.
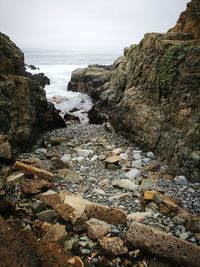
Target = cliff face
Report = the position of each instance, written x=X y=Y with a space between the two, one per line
x=153 y=97
x=24 y=111
x=189 y=21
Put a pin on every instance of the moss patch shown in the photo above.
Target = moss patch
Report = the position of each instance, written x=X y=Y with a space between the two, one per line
x=168 y=73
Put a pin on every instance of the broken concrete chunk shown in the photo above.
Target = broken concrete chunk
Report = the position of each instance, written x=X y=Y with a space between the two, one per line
x=162 y=245
x=110 y=215
x=34 y=171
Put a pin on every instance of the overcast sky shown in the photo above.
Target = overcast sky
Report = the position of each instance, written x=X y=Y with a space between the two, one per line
x=85 y=25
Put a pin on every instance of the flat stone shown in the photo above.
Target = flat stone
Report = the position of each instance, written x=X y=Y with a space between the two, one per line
x=136 y=156
x=68 y=175
x=137 y=164
x=47 y=216
x=124 y=156
x=139 y=216
x=125 y=184
x=34 y=171
x=149 y=195
x=117 y=151
x=66 y=158
x=94 y=158
x=72 y=209
x=55 y=232
x=113 y=245
x=84 y=152
x=15 y=176
x=110 y=215
x=34 y=186
x=113 y=159
x=162 y=245
x=147 y=184
x=97 y=228
x=133 y=174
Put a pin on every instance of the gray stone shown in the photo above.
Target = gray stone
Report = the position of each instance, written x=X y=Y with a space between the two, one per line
x=133 y=174
x=125 y=184
x=181 y=180
x=47 y=215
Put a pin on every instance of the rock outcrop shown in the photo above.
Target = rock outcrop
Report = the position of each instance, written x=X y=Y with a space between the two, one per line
x=88 y=80
x=189 y=21
x=24 y=110
x=153 y=95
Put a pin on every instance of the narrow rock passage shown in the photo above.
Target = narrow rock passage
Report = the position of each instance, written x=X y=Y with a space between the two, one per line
x=85 y=185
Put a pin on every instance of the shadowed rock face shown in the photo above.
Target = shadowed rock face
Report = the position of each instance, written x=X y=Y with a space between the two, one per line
x=153 y=97
x=24 y=110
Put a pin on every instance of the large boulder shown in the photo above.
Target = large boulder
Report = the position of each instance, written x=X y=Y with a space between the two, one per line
x=87 y=80
x=153 y=96
x=24 y=110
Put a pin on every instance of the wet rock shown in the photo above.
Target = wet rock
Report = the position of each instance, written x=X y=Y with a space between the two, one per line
x=113 y=245
x=162 y=245
x=34 y=186
x=110 y=215
x=97 y=228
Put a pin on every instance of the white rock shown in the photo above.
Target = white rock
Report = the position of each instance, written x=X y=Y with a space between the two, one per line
x=117 y=151
x=84 y=152
x=150 y=155
x=137 y=164
x=99 y=191
x=137 y=155
x=49 y=192
x=146 y=160
x=125 y=184
x=181 y=180
x=41 y=150
x=66 y=158
x=80 y=159
x=124 y=156
x=139 y=216
x=133 y=174
x=83 y=168
x=95 y=157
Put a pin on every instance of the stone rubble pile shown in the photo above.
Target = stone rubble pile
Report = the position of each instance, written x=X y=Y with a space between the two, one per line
x=103 y=201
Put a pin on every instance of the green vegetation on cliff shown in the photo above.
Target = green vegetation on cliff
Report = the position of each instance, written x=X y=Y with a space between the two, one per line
x=168 y=73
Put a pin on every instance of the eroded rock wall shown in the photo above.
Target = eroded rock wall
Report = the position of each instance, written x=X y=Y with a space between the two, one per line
x=24 y=110
x=153 y=97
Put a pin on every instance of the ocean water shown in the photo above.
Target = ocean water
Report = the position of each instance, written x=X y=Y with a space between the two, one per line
x=58 y=66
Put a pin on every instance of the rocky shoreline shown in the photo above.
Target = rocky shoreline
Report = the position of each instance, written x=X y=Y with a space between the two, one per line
x=122 y=192
x=152 y=95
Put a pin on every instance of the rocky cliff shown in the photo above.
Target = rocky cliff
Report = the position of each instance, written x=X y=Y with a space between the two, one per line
x=153 y=95
x=24 y=110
